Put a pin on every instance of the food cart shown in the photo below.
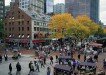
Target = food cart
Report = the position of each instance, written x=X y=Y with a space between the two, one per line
x=62 y=70
x=87 y=67
x=64 y=59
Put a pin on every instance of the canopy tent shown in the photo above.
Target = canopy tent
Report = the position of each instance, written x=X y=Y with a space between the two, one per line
x=95 y=44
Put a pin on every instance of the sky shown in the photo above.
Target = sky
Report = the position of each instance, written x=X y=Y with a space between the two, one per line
x=102 y=8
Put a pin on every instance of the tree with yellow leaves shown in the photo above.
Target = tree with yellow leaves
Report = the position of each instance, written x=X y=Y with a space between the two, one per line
x=86 y=21
x=60 y=23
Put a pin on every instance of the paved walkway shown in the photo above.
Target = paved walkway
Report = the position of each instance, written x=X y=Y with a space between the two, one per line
x=24 y=61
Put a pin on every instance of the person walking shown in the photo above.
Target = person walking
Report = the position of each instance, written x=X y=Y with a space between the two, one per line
x=42 y=63
x=0 y=58
x=10 y=69
x=84 y=58
x=56 y=58
x=37 y=67
x=6 y=57
x=79 y=56
x=48 y=70
x=30 y=66
x=18 y=67
x=35 y=62
x=44 y=60
x=51 y=60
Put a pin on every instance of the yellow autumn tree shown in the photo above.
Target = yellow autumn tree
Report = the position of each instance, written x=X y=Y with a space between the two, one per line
x=86 y=21
x=79 y=31
x=60 y=23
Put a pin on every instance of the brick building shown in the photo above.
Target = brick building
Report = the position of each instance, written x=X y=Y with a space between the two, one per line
x=25 y=28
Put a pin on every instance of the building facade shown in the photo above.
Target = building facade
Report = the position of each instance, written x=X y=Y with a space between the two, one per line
x=25 y=28
x=59 y=8
x=83 y=7
x=7 y=9
x=33 y=5
x=48 y=6
x=2 y=9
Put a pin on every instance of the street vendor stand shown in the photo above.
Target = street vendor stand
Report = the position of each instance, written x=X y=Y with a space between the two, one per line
x=64 y=59
x=62 y=70
x=87 y=67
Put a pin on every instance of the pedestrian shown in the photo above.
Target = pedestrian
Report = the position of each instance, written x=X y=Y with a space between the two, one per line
x=30 y=66
x=96 y=57
x=51 y=60
x=18 y=67
x=6 y=57
x=44 y=60
x=0 y=58
x=35 y=62
x=84 y=58
x=48 y=70
x=56 y=58
x=42 y=63
x=10 y=69
x=79 y=56
x=37 y=67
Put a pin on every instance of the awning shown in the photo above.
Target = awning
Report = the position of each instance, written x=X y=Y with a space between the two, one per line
x=38 y=41
x=24 y=41
x=95 y=44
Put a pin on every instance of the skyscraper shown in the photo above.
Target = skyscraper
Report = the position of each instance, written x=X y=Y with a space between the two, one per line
x=2 y=9
x=83 y=7
x=59 y=8
x=48 y=6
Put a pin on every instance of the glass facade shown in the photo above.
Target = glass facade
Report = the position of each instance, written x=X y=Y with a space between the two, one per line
x=48 y=6
x=83 y=7
x=94 y=12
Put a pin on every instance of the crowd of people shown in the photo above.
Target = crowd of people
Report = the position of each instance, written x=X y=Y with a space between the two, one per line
x=44 y=52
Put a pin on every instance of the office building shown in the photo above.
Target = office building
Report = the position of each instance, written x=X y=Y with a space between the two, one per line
x=33 y=5
x=83 y=7
x=59 y=8
x=48 y=6
x=2 y=9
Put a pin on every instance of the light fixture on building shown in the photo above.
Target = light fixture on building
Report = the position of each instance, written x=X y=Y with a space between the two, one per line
x=19 y=36
x=12 y=17
x=28 y=36
x=22 y=36
x=10 y=35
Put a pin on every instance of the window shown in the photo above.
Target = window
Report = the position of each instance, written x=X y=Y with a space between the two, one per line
x=22 y=28
x=19 y=28
x=12 y=23
x=22 y=22
x=37 y=23
x=37 y=28
x=27 y=22
x=18 y=16
x=5 y=29
x=12 y=28
x=27 y=28
x=19 y=23
x=18 y=11
x=34 y=22
x=9 y=23
x=9 y=29
x=22 y=16
x=34 y=28
x=5 y=24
